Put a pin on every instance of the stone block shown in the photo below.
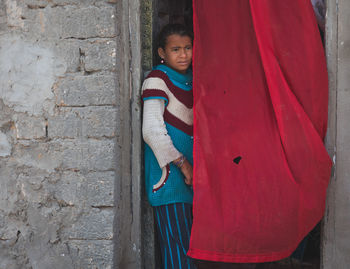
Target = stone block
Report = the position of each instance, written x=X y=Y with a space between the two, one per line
x=9 y=191
x=31 y=186
x=92 y=254
x=84 y=3
x=94 y=122
x=42 y=155
x=96 y=224
x=99 y=55
x=84 y=155
x=68 y=53
x=6 y=118
x=36 y=4
x=94 y=189
x=66 y=123
x=71 y=21
x=99 y=121
x=5 y=146
x=86 y=90
x=30 y=127
x=65 y=20
x=43 y=247
x=89 y=22
x=90 y=155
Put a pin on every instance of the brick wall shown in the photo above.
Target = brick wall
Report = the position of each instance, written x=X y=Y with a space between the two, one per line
x=58 y=120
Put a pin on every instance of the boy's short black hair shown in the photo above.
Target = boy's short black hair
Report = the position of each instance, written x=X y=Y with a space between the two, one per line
x=172 y=29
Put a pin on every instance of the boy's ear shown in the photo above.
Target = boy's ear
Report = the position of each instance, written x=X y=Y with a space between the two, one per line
x=161 y=53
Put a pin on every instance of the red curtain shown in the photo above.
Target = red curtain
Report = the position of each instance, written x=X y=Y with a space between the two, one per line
x=260 y=106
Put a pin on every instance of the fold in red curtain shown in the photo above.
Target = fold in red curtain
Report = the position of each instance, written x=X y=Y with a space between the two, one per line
x=260 y=105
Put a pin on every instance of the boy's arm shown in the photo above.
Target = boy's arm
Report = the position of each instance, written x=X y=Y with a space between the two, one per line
x=155 y=133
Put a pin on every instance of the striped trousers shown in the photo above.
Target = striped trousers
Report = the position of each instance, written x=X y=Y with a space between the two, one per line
x=174 y=222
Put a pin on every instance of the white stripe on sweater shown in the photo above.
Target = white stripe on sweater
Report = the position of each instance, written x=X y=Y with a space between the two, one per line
x=175 y=107
x=155 y=133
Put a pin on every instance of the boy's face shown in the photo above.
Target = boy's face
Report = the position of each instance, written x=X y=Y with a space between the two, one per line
x=177 y=53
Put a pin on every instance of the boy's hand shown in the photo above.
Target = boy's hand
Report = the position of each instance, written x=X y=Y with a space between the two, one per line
x=187 y=171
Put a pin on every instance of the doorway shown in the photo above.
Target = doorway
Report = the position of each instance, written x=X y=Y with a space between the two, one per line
x=155 y=14
x=180 y=11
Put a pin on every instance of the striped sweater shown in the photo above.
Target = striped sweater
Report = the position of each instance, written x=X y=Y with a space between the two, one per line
x=165 y=182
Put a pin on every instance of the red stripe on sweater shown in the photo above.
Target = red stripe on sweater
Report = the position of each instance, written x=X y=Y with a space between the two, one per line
x=154 y=93
x=177 y=123
x=185 y=97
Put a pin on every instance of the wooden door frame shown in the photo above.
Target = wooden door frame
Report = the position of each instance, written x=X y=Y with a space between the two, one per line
x=128 y=200
x=335 y=244
x=134 y=232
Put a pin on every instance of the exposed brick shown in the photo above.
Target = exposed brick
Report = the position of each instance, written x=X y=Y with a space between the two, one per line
x=92 y=189
x=89 y=155
x=96 y=224
x=83 y=122
x=99 y=55
x=87 y=22
x=65 y=124
x=69 y=21
x=86 y=90
x=69 y=54
x=30 y=127
x=93 y=253
x=99 y=121
x=43 y=155
x=5 y=146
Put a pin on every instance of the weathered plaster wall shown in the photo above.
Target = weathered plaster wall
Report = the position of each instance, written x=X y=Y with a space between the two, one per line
x=58 y=122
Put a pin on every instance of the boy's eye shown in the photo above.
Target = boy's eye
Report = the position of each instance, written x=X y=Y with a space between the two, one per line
x=175 y=49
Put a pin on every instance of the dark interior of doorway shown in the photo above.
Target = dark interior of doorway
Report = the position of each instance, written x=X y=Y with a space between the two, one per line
x=170 y=11
x=180 y=11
